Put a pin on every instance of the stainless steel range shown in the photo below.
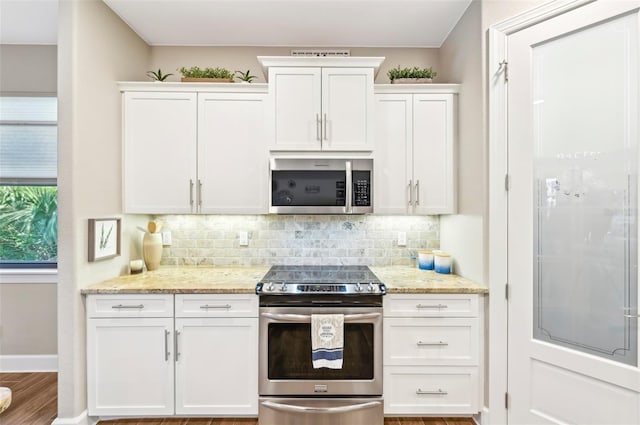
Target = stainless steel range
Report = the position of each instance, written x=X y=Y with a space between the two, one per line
x=291 y=390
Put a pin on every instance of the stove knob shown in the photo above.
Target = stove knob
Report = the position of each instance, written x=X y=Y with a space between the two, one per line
x=270 y=287
x=370 y=287
x=283 y=287
x=358 y=287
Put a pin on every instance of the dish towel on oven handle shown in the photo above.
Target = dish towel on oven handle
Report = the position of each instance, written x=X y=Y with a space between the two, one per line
x=327 y=340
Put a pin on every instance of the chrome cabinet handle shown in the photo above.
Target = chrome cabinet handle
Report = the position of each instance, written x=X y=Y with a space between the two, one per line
x=304 y=318
x=439 y=392
x=191 y=193
x=166 y=345
x=632 y=316
x=306 y=409
x=410 y=192
x=439 y=306
x=120 y=306
x=421 y=344
x=417 y=192
x=325 y=128
x=207 y=306
x=176 y=348
x=318 y=124
x=199 y=194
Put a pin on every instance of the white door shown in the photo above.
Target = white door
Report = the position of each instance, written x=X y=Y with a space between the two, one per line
x=347 y=109
x=159 y=158
x=572 y=218
x=232 y=153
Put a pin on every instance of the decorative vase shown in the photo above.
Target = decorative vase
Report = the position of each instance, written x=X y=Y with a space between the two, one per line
x=152 y=250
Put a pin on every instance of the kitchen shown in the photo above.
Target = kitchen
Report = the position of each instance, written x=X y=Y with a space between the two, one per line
x=87 y=75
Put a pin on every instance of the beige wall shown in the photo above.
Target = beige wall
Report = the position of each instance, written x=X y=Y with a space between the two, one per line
x=171 y=59
x=95 y=49
x=27 y=310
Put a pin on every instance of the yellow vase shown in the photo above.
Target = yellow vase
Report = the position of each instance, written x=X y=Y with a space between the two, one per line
x=152 y=250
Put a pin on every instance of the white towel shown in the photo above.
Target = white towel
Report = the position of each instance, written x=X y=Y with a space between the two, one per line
x=327 y=340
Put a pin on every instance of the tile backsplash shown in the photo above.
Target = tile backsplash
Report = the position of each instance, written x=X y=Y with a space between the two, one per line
x=297 y=240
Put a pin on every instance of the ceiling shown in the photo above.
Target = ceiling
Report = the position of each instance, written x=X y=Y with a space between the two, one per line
x=296 y=23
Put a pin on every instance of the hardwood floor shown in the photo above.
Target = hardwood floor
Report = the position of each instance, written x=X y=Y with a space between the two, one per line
x=35 y=402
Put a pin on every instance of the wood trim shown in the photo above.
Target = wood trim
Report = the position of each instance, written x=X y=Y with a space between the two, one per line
x=537 y=15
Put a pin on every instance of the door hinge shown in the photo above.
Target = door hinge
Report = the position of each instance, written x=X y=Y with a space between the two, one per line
x=506 y=291
x=506 y=401
x=507 y=183
x=504 y=66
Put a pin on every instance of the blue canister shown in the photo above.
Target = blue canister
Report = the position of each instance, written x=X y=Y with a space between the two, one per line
x=425 y=260
x=442 y=263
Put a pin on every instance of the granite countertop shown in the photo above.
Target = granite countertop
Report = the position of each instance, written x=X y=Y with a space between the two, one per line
x=239 y=280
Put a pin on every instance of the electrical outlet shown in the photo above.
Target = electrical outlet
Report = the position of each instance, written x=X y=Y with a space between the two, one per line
x=244 y=238
x=402 y=238
x=166 y=238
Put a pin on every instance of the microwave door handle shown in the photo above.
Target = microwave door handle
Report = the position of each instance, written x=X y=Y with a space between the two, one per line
x=349 y=187
x=308 y=409
x=305 y=318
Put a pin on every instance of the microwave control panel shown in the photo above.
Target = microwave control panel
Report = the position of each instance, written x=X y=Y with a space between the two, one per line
x=361 y=188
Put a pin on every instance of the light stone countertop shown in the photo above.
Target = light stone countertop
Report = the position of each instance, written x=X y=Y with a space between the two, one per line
x=242 y=280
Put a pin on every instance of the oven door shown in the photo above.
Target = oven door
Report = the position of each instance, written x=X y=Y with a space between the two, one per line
x=285 y=366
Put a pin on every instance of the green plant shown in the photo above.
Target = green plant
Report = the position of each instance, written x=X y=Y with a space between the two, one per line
x=197 y=72
x=415 y=72
x=157 y=75
x=245 y=76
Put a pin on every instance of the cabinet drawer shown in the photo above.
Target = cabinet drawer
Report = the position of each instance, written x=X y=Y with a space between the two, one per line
x=431 y=341
x=217 y=305
x=431 y=305
x=146 y=305
x=431 y=390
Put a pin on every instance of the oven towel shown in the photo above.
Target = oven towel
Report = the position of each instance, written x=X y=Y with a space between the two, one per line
x=327 y=340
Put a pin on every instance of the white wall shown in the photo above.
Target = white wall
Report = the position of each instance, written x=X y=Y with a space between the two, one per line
x=95 y=49
x=28 y=69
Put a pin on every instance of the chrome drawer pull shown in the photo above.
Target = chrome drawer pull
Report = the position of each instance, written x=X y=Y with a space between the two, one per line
x=139 y=306
x=420 y=343
x=632 y=316
x=439 y=306
x=439 y=392
x=207 y=306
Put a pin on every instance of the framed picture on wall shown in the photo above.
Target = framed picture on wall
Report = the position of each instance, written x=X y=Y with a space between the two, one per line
x=104 y=238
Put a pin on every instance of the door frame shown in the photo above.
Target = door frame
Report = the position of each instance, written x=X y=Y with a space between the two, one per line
x=497 y=87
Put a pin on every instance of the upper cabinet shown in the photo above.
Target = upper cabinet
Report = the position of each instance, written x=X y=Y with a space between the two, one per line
x=415 y=149
x=184 y=144
x=321 y=104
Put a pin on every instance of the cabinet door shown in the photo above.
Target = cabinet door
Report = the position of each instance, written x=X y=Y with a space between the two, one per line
x=295 y=102
x=217 y=366
x=232 y=153
x=433 y=153
x=392 y=164
x=347 y=109
x=130 y=366
x=159 y=152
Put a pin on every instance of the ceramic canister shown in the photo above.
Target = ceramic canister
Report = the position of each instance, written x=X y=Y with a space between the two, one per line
x=425 y=260
x=442 y=263
x=152 y=250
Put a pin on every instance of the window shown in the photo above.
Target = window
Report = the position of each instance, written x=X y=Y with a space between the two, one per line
x=28 y=182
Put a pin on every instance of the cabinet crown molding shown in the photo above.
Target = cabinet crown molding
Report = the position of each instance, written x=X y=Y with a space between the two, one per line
x=416 y=88
x=154 y=86
x=319 y=61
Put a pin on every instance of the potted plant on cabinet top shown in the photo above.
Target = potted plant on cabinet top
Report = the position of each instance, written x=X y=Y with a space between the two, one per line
x=215 y=75
x=413 y=75
x=245 y=77
x=157 y=75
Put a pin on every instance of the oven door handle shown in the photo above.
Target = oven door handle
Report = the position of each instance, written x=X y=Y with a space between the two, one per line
x=305 y=409
x=305 y=318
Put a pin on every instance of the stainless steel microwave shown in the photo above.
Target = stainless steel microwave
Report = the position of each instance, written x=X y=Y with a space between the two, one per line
x=321 y=186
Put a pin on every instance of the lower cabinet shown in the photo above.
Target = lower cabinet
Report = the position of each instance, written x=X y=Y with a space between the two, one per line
x=144 y=360
x=432 y=346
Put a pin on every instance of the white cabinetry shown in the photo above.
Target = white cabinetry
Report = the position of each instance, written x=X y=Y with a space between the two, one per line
x=321 y=104
x=431 y=354
x=184 y=144
x=143 y=362
x=415 y=133
x=129 y=355
x=216 y=355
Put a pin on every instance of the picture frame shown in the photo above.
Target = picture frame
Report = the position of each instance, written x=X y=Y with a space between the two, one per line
x=104 y=238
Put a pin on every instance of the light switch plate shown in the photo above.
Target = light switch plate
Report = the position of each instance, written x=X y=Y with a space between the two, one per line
x=166 y=238
x=402 y=238
x=244 y=238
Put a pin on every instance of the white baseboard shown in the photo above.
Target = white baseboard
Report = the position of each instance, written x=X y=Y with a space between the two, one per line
x=81 y=419
x=29 y=363
x=482 y=418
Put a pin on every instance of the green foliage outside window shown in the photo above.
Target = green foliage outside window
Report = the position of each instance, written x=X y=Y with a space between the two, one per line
x=28 y=224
